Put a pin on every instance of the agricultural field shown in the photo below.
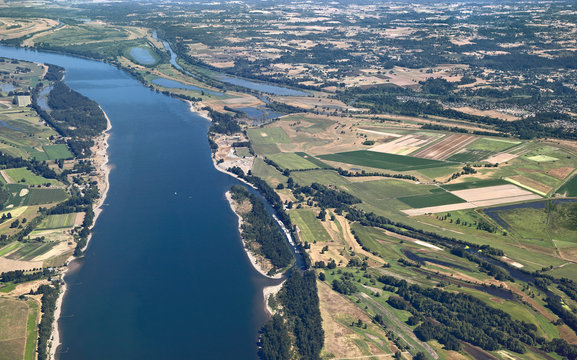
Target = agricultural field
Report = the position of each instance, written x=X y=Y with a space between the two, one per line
x=84 y=34
x=57 y=152
x=272 y=135
x=292 y=161
x=383 y=160
x=436 y=198
x=46 y=196
x=26 y=177
x=310 y=229
x=13 y=28
x=18 y=330
x=58 y=221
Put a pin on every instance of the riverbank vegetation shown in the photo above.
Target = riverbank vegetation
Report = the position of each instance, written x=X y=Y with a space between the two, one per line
x=260 y=233
x=42 y=175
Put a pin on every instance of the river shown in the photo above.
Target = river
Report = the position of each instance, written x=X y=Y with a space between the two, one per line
x=165 y=275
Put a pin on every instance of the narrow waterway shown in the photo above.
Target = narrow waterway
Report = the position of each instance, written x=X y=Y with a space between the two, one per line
x=165 y=275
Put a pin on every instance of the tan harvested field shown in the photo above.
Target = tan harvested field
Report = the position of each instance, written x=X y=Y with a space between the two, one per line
x=491 y=113
x=438 y=209
x=490 y=192
x=15 y=28
x=488 y=196
x=11 y=265
x=404 y=145
x=501 y=158
x=14 y=317
x=380 y=133
x=530 y=183
x=446 y=147
x=561 y=173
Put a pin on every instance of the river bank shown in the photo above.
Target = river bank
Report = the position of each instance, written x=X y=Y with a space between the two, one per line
x=100 y=160
x=253 y=258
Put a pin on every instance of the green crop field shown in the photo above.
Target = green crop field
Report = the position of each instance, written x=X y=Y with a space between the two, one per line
x=569 y=188
x=273 y=135
x=267 y=172
x=46 y=196
x=291 y=161
x=314 y=160
x=27 y=177
x=10 y=247
x=475 y=184
x=492 y=144
x=58 y=221
x=470 y=155
x=31 y=250
x=383 y=160
x=432 y=199
x=31 y=331
x=57 y=152
x=310 y=227
x=14 y=319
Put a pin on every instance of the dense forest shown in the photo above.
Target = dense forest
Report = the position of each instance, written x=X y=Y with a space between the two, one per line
x=258 y=227
x=73 y=116
x=454 y=317
x=300 y=316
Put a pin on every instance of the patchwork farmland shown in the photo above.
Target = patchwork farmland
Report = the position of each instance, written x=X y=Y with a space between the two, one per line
x=478 y=197
x=446 y=147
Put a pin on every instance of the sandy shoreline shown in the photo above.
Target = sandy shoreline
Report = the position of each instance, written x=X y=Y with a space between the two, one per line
x=100 y=158
x=198 y=109
x=267 y=291
x=250 y=255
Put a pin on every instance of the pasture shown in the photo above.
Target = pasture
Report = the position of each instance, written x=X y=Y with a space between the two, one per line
x=314 y=160
x=27 y=177
x=58 y=221
x=13 y=332
x=383 y=160
x=492 y=144
x=57 y=152
x=46 y=196
x=310 y=228
x=272 y=135
x=569 y=188
x=292 y=161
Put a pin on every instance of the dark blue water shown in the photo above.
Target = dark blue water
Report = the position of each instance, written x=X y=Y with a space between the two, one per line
x=165 y=275
x=261 y=114
x=178 y=85
x=142 y=55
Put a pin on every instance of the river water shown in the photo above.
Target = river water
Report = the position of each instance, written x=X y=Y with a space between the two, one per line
x=165 y=275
